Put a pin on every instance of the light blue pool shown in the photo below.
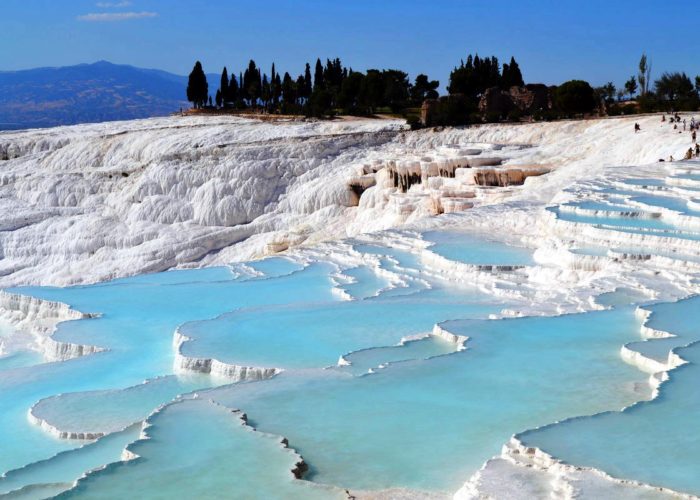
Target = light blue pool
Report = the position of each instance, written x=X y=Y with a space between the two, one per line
x=477 y=249
x=662 y=432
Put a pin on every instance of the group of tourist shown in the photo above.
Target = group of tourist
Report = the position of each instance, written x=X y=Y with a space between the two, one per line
x=693 y=126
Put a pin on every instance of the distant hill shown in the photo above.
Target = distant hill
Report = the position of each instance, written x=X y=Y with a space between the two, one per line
x=102 y=91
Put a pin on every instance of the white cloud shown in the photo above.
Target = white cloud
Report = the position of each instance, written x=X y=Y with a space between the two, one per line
x=113 y=5
x=115 y=16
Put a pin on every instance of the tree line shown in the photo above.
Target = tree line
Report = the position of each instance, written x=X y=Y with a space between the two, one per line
x=333 y=88
x=672 y=91
x=330 y=89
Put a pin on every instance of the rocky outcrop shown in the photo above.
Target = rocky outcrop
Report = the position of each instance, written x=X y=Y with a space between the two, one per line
x=500 y=176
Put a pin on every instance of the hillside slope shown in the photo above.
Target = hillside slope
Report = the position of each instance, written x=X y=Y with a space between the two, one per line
x=47 y=97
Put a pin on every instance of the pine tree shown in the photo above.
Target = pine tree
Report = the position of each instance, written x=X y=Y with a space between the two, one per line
x=219 y=98
x=197 y=87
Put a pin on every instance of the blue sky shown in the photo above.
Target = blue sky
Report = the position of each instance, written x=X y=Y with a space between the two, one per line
x=552 y=40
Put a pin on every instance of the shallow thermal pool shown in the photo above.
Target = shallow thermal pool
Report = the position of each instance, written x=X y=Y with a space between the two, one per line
x=477 y=249
x=342 y=361
x=655 y=442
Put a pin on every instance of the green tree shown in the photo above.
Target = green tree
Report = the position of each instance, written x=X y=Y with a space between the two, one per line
x=299 y=86
x=308 y=84
x=197 y=87
x=223 y=87
x=278 y=88
x=644 y=75
x=319 y=103
x=252 y=84
x=473 y=78
x=318 y=75
x=349 y=96
x=677 y=91
x=274 y=92
x=219 y=98
x=631 y=86
x=451 y=110
x=372 y=90
x=575 y=97
x=288 y=91
x=265 y=92
x=396 y=89
x=511 y=77
x=233 y=91
x=423 y=88
x=606 y=92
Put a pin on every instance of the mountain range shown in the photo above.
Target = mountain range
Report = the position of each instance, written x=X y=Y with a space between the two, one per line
x=101 y=91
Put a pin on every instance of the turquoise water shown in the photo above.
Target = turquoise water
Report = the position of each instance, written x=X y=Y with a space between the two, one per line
x=198 y=449
x=676 y=204
x=452 y=411
x=598 y=206
x=368 y=361
x=58 y=473
x=137 y=325
x=315 y=336
x=422 y=414
x=477 y=249
x=617 y=223
x=655 y=442
x=364 y=282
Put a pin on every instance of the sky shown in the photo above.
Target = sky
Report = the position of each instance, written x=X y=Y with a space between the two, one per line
x=552 y=40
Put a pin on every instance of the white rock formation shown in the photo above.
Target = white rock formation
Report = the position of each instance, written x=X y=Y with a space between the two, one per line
x=91 y=202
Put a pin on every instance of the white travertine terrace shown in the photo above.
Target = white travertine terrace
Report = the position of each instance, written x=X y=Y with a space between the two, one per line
x=92 y=202
x=38 y=319
x=216 y=368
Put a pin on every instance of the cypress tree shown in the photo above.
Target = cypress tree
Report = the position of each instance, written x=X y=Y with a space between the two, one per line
x=223 y=87
x=318 y=75
x=265 y=91
x=273 y=86
x=278 y=87
x=252 y=83
x=197 y=87
x=288 y=94
x=219 y=98
x=506 y=77
x=515 y=76
x=300 y=88
x=308 y=85
x=233 y=91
